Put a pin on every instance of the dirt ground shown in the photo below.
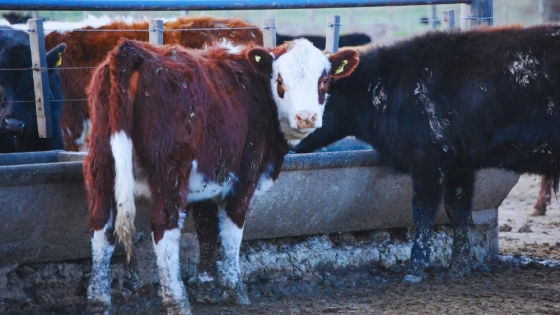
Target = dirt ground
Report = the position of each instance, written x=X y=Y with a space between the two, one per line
x=525 y=281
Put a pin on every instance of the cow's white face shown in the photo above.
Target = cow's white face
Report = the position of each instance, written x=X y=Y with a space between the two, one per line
x=300 y=79
x=300 y=75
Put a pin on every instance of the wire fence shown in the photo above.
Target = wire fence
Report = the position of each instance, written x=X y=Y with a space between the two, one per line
x=99 y=29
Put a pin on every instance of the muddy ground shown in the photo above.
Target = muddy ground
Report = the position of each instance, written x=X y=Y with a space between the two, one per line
x=525 y=280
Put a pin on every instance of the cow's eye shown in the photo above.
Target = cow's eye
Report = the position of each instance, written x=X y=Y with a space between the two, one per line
x=279 y=82
x=325 y=81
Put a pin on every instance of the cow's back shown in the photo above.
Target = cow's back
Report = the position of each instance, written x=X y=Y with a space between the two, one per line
x=470 y=92
x=10 y=37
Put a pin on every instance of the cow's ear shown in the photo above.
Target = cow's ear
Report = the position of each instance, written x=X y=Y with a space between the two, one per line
x=343 y=63
x=260 y=60
x=54 y=56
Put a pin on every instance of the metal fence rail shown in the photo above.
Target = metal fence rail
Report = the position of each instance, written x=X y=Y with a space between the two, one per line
x=155 y=5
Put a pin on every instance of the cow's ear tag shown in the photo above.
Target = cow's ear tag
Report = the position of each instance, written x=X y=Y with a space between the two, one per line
x=257 y=58
x=59 y=62
x=341 y=67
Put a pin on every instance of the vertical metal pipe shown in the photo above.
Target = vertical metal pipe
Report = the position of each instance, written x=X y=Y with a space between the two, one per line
x=40 y=77
x=156 y=32
x=333 y=33
x=269 y=32
x=479 y=12
x=448 y=20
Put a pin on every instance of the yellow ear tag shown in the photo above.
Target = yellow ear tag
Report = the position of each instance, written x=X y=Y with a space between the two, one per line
x=59 y=62
x=257 y=58
x=341 y=68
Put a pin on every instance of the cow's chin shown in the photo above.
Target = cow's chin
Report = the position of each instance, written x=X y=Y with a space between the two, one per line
x=294 y=135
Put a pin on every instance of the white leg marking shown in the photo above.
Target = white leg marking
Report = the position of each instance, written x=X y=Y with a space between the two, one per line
x=230 y=236
x=121 y=147
x=99 y=289
x=172 y=288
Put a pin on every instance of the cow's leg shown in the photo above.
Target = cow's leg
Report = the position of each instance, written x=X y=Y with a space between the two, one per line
x=169 y=194
x=458 y=195
x=166 y=236
x=427 y=191
x=102 y=246
x=231 y=218
x=545 y=194
x=206 y=222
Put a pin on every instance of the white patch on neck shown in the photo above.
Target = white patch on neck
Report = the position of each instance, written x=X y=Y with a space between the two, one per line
x=230 y=236
x=167 y=252
x=265 y=182
x=293 y=143
x=200 y=189
x=99 y=288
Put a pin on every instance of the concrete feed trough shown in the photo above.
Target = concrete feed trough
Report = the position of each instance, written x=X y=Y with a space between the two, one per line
x=44 y=213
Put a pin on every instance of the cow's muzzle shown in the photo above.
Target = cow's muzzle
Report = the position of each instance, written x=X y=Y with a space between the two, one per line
x=306 y=119
x=13 y=126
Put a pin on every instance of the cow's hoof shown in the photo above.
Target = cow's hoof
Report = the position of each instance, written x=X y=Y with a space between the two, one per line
x=539 y=212
x=177 y=307
x=236 y=296
x=97 y=307
x=459 y=267
x=412 y=279
x=205 y=290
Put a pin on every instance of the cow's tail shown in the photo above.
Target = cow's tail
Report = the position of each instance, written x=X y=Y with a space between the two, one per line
x=123 y=65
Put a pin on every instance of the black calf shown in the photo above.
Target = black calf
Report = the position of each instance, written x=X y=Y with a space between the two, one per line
x=444 y=104
x=18 y=118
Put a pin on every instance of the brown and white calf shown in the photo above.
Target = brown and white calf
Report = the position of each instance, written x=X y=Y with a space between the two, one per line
x=205 y=128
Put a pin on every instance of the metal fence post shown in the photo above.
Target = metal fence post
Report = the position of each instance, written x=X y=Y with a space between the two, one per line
x=448 y=20
x=269 y=32
x=40 y=77
x=433 y=17
x=479 y=12
x=156 y=32
x=333 y=32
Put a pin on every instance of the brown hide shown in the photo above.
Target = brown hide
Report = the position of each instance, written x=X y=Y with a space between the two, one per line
x=88 y=49
x=208 y=105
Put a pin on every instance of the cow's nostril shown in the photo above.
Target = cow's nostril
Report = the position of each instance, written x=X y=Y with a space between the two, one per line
x=306 y=119
x=12 y=125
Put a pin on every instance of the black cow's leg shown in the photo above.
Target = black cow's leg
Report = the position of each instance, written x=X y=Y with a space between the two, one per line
x=206 y=223
x=427 y=191
x=459 y=190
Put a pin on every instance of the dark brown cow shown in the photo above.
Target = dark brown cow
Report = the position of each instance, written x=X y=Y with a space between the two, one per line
x=207 y=128
x=89 y=46
x=442 y=105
